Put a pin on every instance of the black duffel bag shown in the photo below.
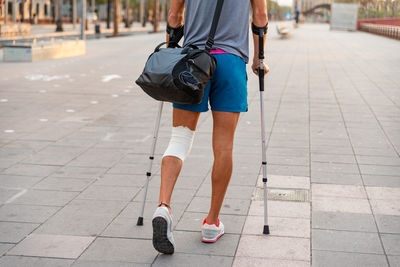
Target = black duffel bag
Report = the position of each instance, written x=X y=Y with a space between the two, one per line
x=177 y=75
x=180 y=75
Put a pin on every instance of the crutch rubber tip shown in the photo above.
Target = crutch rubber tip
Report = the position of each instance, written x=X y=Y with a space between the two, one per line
x=140 y=221
x=266 y=230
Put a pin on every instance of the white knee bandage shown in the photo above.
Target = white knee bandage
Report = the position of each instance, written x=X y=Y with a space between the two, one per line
x=181 y=142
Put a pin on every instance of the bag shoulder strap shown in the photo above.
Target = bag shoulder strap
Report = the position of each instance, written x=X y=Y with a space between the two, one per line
x=217 y=14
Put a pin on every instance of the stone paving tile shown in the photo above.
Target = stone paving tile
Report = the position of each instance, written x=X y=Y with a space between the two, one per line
x=289 y=227
x=394 y=261
x=380 y=170
x=31 y=145
x=281 y=209
x=331 y=190
x=12 y=232
x=121 y=180
x=126 y=228
x=383 y=193
x=346 y=241
x=97 y=157
x=134 y=158
x=183 y=260
x=385 y=206
x=70 y=142
x=26 y=213
x=335 y=178
x=391 y=243
x=368 y=151
x=63 y=184
x=6 y=163
x=388 y=223
x=120 y=249
x=54 y=155
x=179 y=195
x=287 y=160
x=289 y=170
x=190 y=242
x=17 y=181
x=381 y=180
x=344 y=150
x=334 y=167
x=52 y=133
x=7 y=195
x=343 y=221
x=278 y=181
x=346 y=259
x=52 y=246
x=333 y=158
x=230 y=206
x=374 y=160
x=17 y=261
x=233 y=191
x=31 y=170
x=338 y=204
x=283 y=151
x=274 y=247
x=82 y=217
x=254 y=262
x=135 y=169
x=85 y=263
x=99 y=192
x=192 y=221
x=4 y=248
x=79 y=172
x=45 y=198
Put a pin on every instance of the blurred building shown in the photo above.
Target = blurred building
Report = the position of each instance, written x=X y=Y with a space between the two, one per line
x=24 y=10
x=305 y=5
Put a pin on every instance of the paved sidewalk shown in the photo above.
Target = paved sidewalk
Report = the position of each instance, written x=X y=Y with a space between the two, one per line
x=75 y=135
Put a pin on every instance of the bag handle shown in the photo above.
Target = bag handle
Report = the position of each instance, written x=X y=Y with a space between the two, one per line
x=217 y=14
x=168 y=43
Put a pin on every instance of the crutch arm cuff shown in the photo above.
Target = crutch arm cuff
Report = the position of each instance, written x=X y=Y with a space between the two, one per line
x=258 y=30
x=175 y=34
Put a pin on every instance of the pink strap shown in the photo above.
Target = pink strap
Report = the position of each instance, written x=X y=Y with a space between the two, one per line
x=217 y=51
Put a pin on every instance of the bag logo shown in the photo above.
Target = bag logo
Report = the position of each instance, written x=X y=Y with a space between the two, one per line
x=188 y=79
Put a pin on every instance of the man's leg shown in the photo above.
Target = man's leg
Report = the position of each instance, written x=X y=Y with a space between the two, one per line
x=170 y=165
x=223 y=135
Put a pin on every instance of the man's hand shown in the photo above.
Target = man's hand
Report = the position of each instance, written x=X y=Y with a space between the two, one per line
x=256 y=65
x=260 y=19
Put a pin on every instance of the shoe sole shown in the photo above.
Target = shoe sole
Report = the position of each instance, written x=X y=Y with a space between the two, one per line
x=160 y=240
x=212 y=240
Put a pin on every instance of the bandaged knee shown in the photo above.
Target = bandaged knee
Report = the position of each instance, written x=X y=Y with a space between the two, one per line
x=181 y=142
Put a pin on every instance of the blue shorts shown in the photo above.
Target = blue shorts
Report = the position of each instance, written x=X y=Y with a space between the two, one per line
x=227 y=90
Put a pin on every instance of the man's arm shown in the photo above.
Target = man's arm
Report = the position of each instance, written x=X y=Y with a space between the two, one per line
x=260 y=19
x=176 y=14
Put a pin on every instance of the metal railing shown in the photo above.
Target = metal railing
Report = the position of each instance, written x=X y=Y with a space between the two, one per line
x=385 y=30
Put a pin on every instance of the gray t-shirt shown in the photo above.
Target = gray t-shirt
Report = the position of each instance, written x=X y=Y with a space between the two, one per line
x=232 y=33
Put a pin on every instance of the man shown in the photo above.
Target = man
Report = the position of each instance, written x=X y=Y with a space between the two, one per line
x=227 y=95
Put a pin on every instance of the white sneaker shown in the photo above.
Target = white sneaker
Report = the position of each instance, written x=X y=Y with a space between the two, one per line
x=211 y=232
x=163 y=240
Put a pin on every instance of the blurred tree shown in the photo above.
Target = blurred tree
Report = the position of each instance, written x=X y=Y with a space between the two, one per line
x=156 y=16
x=116 y=18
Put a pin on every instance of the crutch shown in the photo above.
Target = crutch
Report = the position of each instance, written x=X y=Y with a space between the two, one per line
x=151 y=157
x=175 y=35
x=261 y=33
